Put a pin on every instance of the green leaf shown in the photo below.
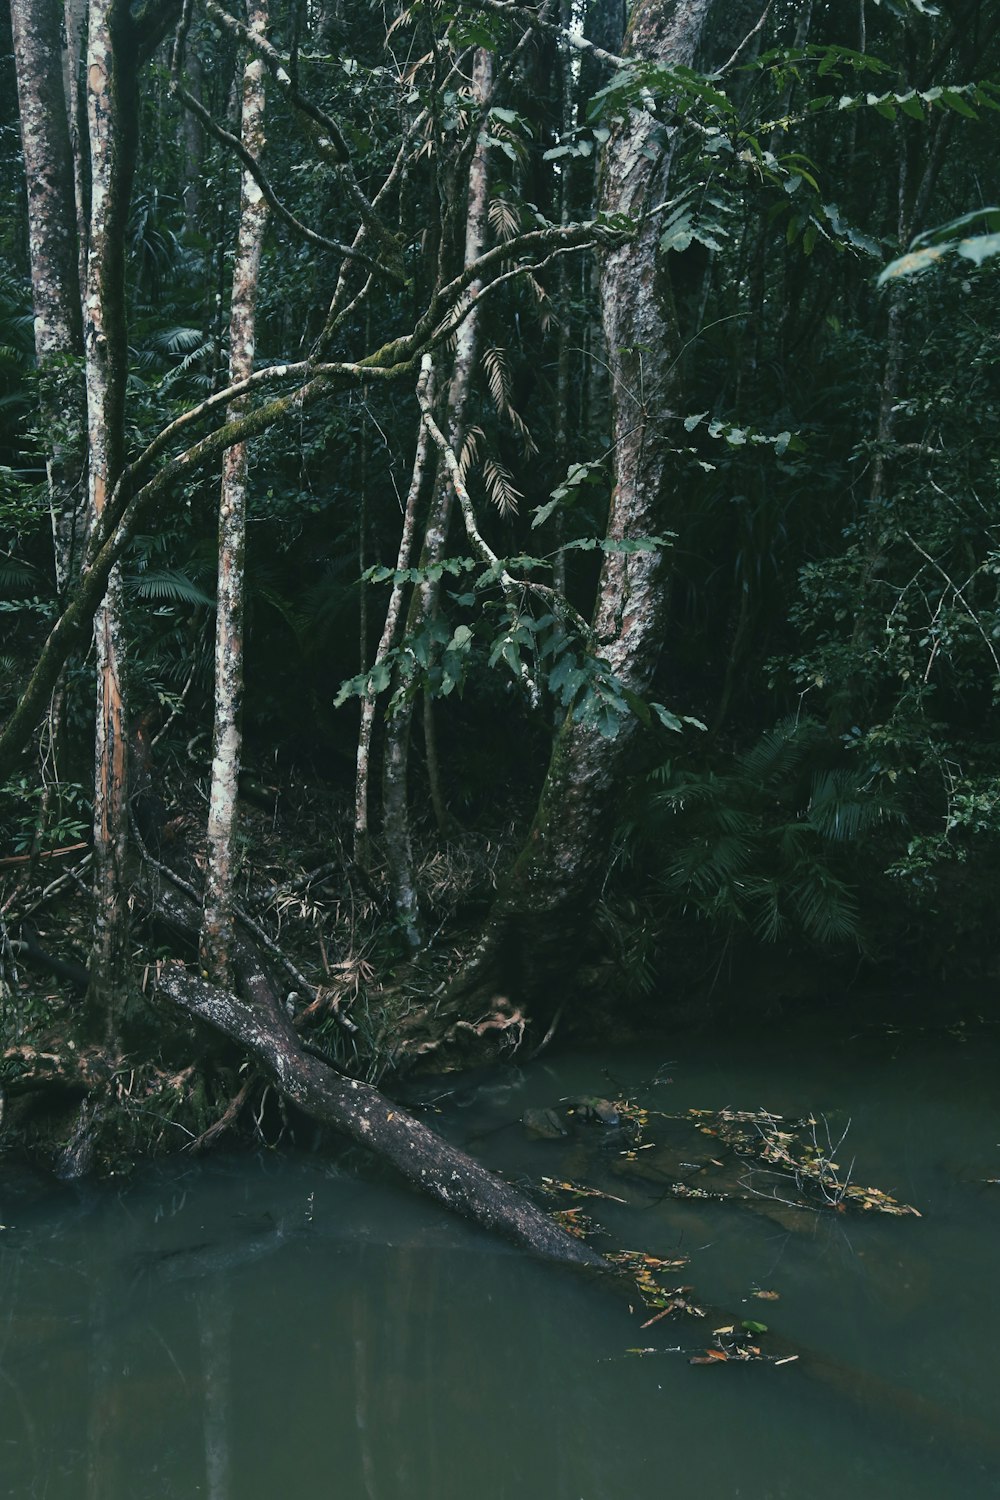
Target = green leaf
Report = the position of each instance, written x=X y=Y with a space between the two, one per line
x=954 y=100
x=929 y=248
x=666 y=718
x=461 y=640
x=910 y=105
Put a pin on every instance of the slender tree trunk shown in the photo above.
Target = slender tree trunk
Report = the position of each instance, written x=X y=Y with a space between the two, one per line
x=74 y=33
x=111 y=123
x=538 y=926
x=217 y=925
x=388 y=638
x=56 y=296
x=55 y=283
x=395 y=802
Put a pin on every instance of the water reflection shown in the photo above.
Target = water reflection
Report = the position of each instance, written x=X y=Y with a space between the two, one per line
x=274 y=1327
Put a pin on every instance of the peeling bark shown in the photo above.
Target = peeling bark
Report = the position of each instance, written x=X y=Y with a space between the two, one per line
x=54 y=246
x=217 y=925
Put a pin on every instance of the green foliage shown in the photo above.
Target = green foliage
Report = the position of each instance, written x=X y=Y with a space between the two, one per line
x=37 y=818
x=759 y=845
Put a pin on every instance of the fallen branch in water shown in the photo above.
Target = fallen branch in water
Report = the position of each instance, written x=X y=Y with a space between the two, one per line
x=426 y=1160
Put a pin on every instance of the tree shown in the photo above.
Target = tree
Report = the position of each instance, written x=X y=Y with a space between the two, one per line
x=541 y=915
x=217 y=923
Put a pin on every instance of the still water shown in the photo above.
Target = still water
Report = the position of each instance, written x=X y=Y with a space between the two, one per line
x=280 y=1326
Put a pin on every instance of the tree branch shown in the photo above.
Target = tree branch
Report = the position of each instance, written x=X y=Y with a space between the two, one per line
x=323 y=130
x=253 y=166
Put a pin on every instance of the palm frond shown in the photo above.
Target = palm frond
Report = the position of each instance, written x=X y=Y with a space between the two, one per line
x=171 y=586
x=498 y=377
x=779 y=751
x=504 y=219
x=16 y=575
x=824 y=904
x=500 y=487
x=469 y=456
x=178 y=340
x=838 y=809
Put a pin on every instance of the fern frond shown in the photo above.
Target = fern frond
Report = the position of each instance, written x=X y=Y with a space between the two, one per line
x=171 y=585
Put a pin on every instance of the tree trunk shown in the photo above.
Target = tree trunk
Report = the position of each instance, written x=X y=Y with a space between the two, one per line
x=53 y=249
x=387 y=641
x=395 y=802
x=217 y=925
x=55 y=283
x=111 y=107
x=538 y=926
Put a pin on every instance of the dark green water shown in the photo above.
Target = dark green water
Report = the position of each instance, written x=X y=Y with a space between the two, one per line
x=275 y=1327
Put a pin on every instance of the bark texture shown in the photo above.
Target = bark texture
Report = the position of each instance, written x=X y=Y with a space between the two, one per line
x=55 y=281
x=217 y=925
x=111 y=124
x=538 y=926
x=387 y=641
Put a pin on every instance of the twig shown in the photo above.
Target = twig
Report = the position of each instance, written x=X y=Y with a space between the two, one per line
x=227 y=1118
x=21 y=859
x=253 y=166
x=749 y=37
x=957 y=591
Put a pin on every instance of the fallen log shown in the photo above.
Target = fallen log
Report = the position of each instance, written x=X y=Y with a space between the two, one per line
x=423 y=1158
